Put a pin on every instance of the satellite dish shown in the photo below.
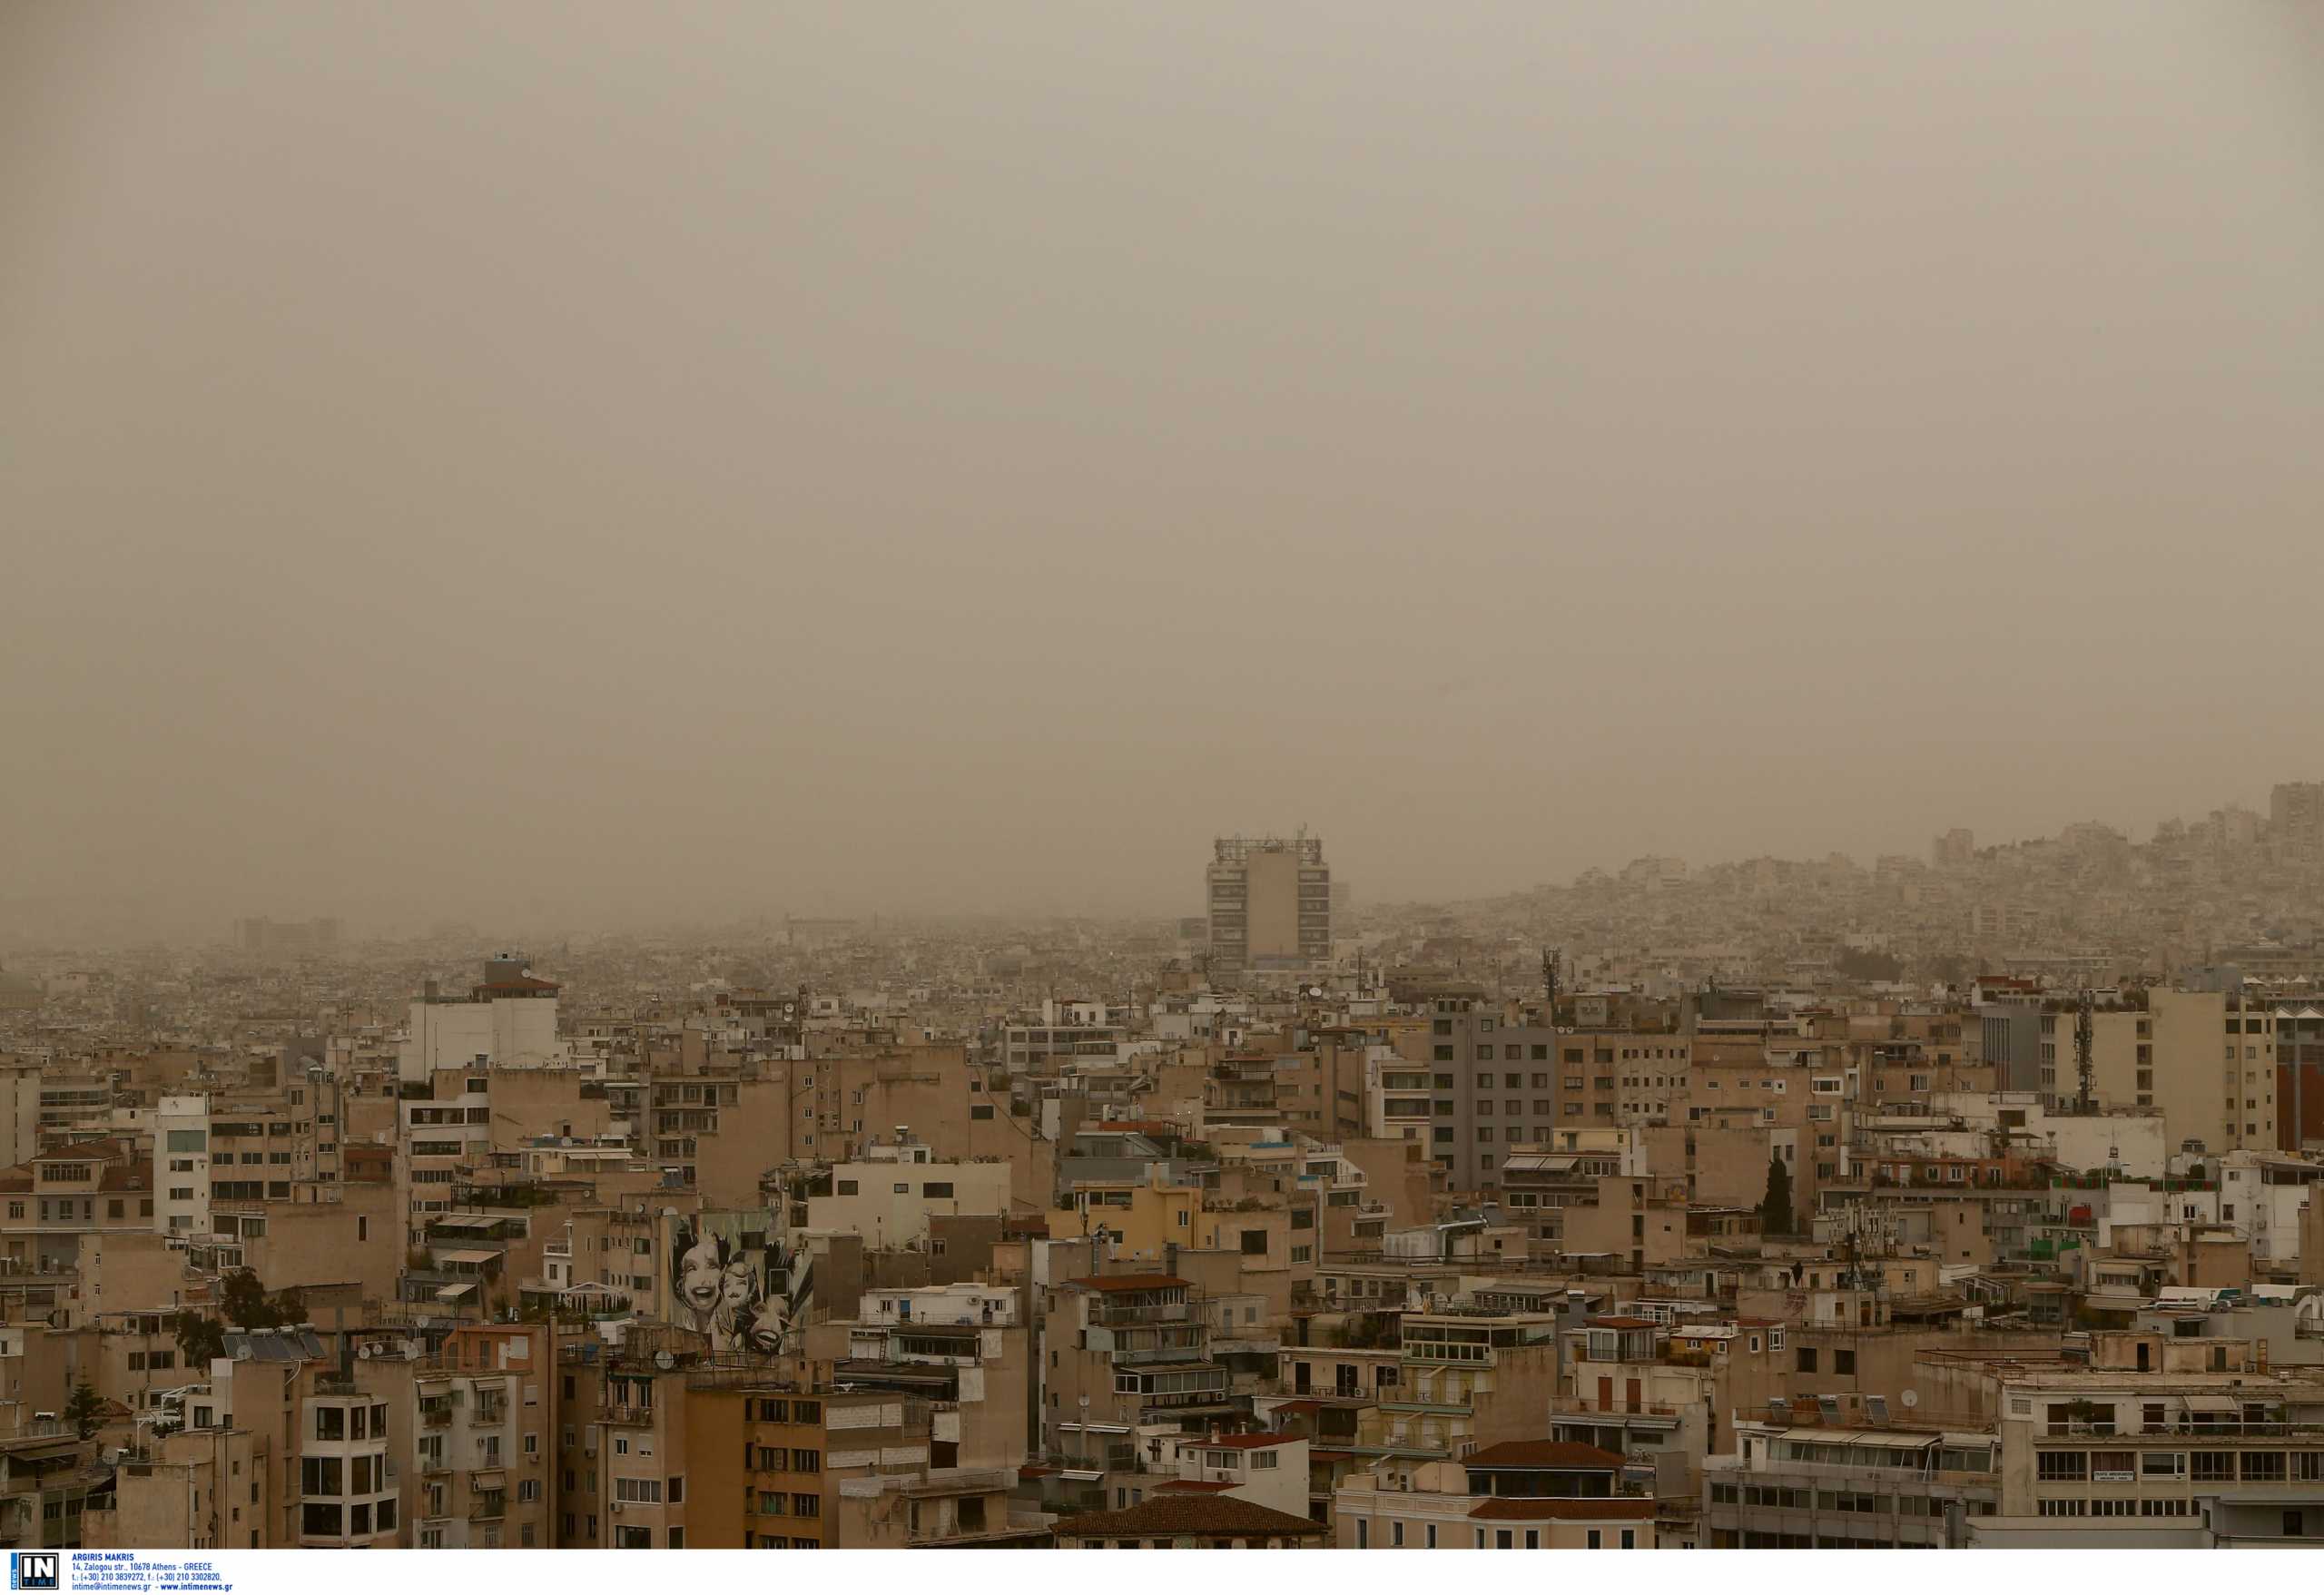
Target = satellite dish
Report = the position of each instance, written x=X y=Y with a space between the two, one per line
x=664 y=1361
x=363 y=1352
x=420 y=1322
x=1911 y=1398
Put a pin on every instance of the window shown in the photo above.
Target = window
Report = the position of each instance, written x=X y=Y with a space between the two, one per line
x=1842 y=1359
x=1597 y=1539
x=1807 y=1359
x=936 y=1187
x=2062 y=1465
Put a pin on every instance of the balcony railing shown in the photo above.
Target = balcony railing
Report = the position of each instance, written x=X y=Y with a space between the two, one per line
x=1161 y=1313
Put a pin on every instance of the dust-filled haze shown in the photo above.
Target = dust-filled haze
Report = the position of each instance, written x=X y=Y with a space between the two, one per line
x=631 y=460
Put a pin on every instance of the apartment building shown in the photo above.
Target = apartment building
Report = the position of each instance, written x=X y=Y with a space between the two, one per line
x=770 y=1449
x=1270 y=905
x=2215 y=1080
x=941 y=1509
x=473 y=1414
x=1517 y=1495
x=1492 y=1087
x=48 y=1482
x=350 y=1494
x=100 y=1186
x=890 y=1195
x=1123 y=1351
x=442 y=1135
x=964 y=1349
x=1882 y=1483
x=1471 y=1376
x=621 y=1448
x=198 y=1488
x=507 y=1021
x=2153 y=1430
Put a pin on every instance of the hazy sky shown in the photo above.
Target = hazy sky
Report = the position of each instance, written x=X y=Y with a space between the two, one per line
x=641 y=459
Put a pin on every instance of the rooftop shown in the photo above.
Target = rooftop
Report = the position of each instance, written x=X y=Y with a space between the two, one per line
x=1541 y=1454
x=1189 y=1512
x=1133 y=1282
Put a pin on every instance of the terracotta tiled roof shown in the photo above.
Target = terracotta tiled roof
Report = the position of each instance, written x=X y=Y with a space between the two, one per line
x=1199 y=1486
x=1541 y=1454
x=1161 y=1516
x=1517 y=1509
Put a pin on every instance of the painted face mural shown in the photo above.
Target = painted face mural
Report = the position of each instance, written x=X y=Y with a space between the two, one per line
x=697 y=1278
x=731 y=1280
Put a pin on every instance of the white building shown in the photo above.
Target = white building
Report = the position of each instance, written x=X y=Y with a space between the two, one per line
x=181 y=1166
x=507 y=1021
x=889 y=1196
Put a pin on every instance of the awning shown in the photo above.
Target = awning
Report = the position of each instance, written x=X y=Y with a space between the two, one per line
x=472 y=1258
x=452 y=1293
x=463 y=1221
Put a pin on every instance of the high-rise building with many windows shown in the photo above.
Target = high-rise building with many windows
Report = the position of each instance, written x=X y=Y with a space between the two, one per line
x=1270 y=903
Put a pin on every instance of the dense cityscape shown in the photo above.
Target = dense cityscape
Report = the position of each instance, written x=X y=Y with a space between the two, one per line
x=1963 y=1200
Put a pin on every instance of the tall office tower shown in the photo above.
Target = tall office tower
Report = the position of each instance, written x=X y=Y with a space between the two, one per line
x=2296 y=815
x=1270 y=903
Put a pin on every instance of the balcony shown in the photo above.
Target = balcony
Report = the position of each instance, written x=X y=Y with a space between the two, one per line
x=1115 y=1459
x=1112 y=1316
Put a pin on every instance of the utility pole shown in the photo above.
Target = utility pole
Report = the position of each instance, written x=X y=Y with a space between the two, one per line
x=1550 y=956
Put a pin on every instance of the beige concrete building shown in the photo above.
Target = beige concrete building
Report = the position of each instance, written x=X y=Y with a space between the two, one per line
x=1270 y=905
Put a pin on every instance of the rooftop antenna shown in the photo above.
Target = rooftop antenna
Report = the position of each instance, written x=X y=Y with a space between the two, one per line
x=1549 y=985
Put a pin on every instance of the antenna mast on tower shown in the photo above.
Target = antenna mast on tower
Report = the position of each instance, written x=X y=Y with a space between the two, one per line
x=2082 y=1068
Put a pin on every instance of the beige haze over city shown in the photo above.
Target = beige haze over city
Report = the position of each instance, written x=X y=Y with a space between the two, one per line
x=618 y=463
